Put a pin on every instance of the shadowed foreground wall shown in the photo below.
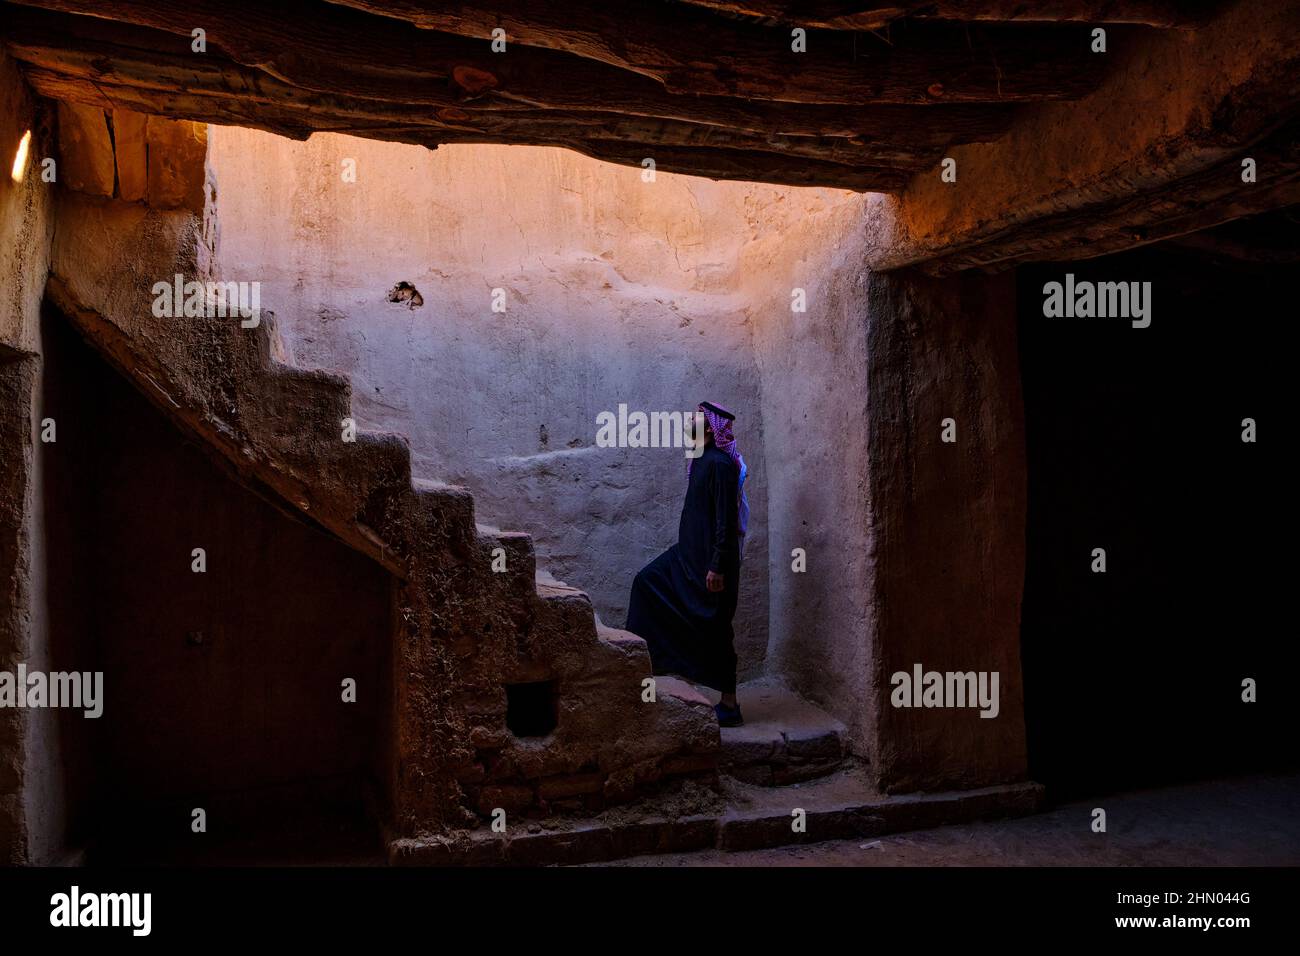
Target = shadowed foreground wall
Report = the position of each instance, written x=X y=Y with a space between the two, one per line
x=616 y=290
x=216 y=684
x=29 y=804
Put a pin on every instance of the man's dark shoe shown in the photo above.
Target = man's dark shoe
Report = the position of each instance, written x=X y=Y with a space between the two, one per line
x=728 y=716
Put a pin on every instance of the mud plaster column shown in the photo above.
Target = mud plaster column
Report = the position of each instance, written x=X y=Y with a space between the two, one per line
x=26 y=229
x=17 y=391
x=947 y=521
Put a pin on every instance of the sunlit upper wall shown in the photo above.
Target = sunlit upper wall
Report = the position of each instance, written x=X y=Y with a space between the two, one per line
x=484 y=209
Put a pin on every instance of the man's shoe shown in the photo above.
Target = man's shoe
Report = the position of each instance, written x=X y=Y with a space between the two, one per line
x=728 y=716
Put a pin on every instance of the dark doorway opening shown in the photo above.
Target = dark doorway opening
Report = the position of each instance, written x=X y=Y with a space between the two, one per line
x=223 y=689
x=1133 y=677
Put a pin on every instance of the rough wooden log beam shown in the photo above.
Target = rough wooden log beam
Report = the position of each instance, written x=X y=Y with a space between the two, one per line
x=651 y=137
x=1122 y=168
x=847 y=15
x=646 y=138
x=106 y=51
x=327 y=47
x=739 y=165
x=695 y=51
x=601 y=138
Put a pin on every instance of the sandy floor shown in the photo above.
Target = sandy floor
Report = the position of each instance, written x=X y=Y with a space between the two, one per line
x=1252 y=821
x=1249 y=821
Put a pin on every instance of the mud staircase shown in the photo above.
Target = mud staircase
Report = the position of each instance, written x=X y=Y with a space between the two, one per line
x=466 y=636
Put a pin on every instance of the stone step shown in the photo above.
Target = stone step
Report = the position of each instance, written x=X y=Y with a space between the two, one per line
x=784 y=739
x=838 y=807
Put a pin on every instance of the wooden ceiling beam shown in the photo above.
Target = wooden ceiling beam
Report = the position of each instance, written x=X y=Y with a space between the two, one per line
x=320 y=45
x=212 y=102
x=143 y=57
x=692 y=50
x=847 y=15
x=612 y=141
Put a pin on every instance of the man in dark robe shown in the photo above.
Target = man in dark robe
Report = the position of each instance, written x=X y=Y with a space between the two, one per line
x=683 y=601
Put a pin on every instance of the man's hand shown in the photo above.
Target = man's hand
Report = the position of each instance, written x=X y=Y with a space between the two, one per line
x=714 y=582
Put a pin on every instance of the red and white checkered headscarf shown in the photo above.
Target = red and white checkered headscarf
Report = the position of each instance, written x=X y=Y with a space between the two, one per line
x=723 y=436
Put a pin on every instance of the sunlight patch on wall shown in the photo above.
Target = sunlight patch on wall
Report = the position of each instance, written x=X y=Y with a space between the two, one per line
x=20 y=159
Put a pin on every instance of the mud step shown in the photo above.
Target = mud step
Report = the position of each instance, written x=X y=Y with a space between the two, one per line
x=837 y=807
x=784 y=739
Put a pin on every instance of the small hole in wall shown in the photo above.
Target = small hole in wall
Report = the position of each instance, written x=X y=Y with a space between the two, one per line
x=406 y=292
x=532 y=710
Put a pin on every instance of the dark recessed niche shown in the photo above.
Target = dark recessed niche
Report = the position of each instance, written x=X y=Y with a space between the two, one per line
x=532 y=710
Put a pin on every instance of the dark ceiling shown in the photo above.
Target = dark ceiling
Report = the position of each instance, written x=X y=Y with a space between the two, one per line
x=708 y=87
